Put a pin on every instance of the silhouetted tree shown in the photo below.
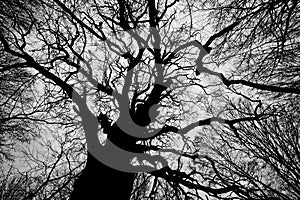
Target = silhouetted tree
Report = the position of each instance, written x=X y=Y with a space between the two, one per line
x=125 y=70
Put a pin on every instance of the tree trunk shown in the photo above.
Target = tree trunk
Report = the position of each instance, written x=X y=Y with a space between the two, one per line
x=98 y=181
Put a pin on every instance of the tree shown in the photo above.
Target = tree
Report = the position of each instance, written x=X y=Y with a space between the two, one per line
x=15 y=85
x=25 y=172
x=133 y=71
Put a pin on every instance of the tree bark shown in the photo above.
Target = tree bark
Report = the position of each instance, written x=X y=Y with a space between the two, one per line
x=98 y=181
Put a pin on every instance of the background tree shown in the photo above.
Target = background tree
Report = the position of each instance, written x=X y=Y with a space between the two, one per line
x=15 y=83
x=35 y=157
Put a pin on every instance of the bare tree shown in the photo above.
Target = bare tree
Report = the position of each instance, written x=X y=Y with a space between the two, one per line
x=16 y=83
x=137 y=78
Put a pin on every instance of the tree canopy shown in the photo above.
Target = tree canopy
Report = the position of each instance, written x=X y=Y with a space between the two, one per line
x=154 y=99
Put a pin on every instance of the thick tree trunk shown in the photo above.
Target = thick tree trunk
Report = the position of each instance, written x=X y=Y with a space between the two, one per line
x=99 y=181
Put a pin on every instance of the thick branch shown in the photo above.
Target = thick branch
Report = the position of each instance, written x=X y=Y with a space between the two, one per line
x=221 y=33
x=228 y=82
x=197 y=43
x=152 y=13
x=260 y=86
x=31 y=62
x=204 y=122
x=123 y=18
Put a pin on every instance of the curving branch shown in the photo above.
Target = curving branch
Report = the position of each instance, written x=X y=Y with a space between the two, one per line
x=228 y=82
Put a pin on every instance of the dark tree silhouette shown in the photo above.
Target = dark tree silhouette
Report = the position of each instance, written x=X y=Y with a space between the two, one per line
x=148 y=78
